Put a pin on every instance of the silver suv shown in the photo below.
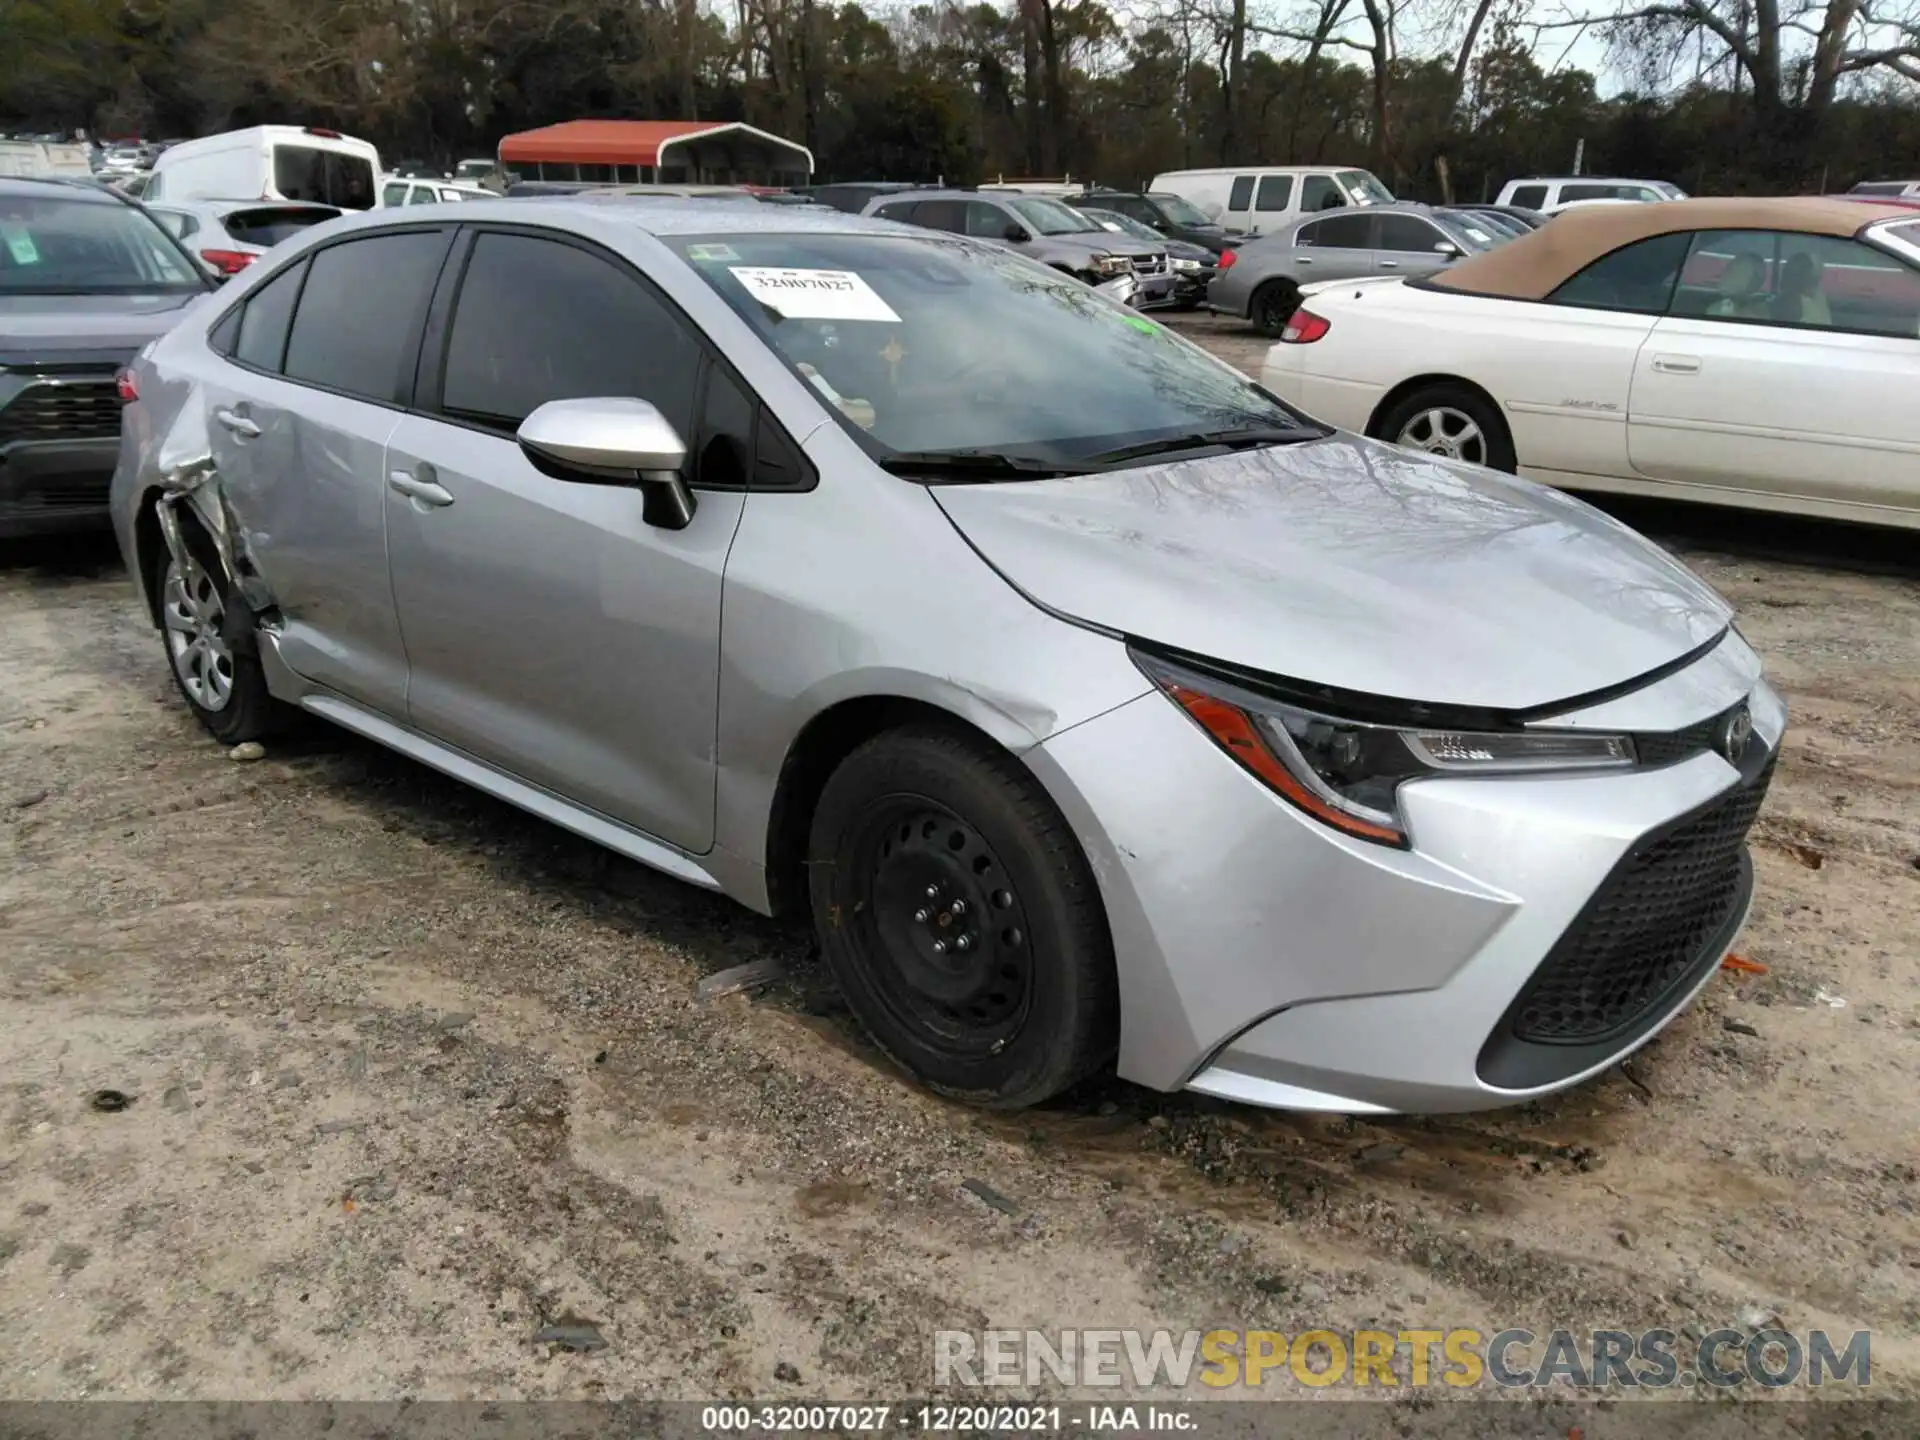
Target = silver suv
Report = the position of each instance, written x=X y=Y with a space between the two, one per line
x=1037 y=226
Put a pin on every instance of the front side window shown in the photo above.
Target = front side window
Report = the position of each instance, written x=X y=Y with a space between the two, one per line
x=1642 y=193
x=1049 y=217
x=360 y=312
x=1318 y=192
x=1404 y=233
x=1823 y=282
x=922 y=344
x=393 y=193
x=1365 y=188
x=1275 y=193
x=1336 y=232
x=1241 y=197
x=264 y=320
x=1638 y=278
x=539 y=320
x=986 y=222
x=55 y=245
x=422 y=195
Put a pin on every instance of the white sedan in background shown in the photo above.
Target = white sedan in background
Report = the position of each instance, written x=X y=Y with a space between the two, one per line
x=1759 y=353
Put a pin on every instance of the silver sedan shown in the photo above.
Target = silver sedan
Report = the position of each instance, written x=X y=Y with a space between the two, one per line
x=1099 y=708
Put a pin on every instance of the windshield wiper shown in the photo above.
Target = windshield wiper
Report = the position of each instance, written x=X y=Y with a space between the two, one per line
x=976 y=465
x=1245 y=438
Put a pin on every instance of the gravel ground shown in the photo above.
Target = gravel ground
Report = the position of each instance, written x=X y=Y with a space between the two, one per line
x=410 y=1075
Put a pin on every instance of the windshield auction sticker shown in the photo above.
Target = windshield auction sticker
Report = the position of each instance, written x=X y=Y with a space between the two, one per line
x=814 y=294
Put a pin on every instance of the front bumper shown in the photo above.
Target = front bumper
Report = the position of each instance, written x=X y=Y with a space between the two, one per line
x=1268 y=959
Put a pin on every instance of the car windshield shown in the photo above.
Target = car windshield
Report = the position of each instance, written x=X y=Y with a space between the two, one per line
x=1475 y=233
x=929 y=345
x=1365 y=189
x=1050 y=217
x=1124 y=224
x=57 y=246
x=1179 y=211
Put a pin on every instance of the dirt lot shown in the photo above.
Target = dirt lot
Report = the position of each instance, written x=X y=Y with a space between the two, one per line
x=413 y=1074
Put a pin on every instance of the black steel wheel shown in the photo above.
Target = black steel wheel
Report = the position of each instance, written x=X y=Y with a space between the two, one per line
x=1273 y=305
x=960 y=919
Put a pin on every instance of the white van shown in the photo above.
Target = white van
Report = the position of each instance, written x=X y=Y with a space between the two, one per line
x=1550 y=194
x=1253 y=198
x=271 y=162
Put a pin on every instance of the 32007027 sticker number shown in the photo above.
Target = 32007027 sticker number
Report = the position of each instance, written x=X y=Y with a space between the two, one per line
x=782 y=1419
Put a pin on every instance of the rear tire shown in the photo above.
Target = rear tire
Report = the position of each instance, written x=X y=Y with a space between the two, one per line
x=1451 y=420
x=961 y=920
x=211 y=654
x=1273 y=305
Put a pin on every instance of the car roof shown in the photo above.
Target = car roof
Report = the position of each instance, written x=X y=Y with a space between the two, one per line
x=71 y=186
x=1531 y=267
x=664 y=215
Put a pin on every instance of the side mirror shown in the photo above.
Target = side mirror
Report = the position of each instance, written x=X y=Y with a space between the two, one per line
x=1017 y=234
x=613 y=441
x=1447 y=248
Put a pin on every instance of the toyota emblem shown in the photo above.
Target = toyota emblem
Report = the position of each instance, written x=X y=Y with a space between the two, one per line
x=1736 y=733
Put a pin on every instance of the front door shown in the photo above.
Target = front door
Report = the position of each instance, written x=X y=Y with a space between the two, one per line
x=1788 y=365
x=552 y=632
x=299 y=417
x=1411 y=245
x=1336 y=248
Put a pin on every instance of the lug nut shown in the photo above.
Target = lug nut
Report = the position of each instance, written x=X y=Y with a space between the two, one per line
x=965 y=942
x=932 y=890
x=939 y=947
x=922 y=915
x=959 y=907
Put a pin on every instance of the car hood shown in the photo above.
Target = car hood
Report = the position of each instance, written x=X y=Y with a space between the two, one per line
x=1349 y=563
x=39 y=328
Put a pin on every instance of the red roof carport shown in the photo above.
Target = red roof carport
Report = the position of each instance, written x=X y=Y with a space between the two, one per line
x=710 y=151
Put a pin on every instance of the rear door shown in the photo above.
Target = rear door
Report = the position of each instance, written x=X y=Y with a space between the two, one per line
x=1272 y=202
x=300 y=415
x=552 y=632
x=1336 y=248
x=1802 y=384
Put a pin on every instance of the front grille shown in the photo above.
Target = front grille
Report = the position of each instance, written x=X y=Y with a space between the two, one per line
x=76 y=410
x=1150 y=264
x=1644 y=928
x=1671 y=745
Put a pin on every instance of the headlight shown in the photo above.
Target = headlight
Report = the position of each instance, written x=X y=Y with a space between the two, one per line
x=1186 y=266
x=1348 y=773
x=1112 y=264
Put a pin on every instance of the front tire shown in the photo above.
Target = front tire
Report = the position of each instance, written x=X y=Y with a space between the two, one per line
x=212 y=659
x=1454 y=421
x=961 y=920
x=1273 y=305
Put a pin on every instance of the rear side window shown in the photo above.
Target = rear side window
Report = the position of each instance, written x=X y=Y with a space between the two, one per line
x=900 y=210
x=538 y=320
x=395 y=193
x=1529 y=197
x=264 y=319
x=360 y=313
x=1242 y=195
x=1276 y=192
x=325 y=177
x=1339 y=232
x=1637 y=278
x=948 y=215
x=176 y=223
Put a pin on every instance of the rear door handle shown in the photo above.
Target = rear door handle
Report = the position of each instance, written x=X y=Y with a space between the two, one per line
x=1303 y=259
x=1677 y=364
x=1389 y=264
x=238 y=424
x=419 y=486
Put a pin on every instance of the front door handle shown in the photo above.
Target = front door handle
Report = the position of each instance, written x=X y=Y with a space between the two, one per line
x=1303 y=259
x=1677 y=364
x=420 y=486
x=238 y=424
x=1389 y=264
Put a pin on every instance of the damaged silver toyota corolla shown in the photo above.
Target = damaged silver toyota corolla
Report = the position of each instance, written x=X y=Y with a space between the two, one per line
x=1093 y=701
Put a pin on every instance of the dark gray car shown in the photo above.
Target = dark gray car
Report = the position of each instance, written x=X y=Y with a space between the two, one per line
x=86 y=279
x=1037 y=226
x=1261 y=280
